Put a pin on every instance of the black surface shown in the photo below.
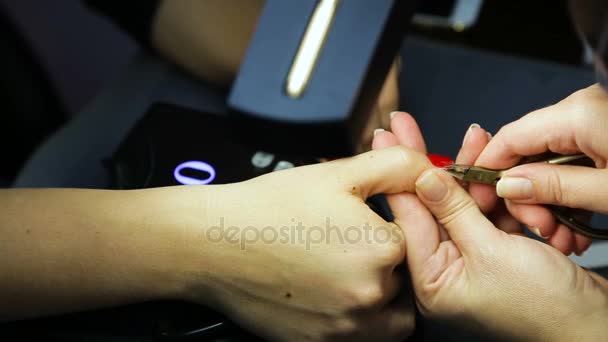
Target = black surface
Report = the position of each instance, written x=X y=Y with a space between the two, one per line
x=169 y=135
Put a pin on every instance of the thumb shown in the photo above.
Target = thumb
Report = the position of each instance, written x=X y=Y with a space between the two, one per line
x=455 y=210
x=390 y=170
x=565 y=185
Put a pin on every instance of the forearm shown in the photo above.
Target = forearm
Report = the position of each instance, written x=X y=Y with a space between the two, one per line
x=66 y=250
x=208 y=38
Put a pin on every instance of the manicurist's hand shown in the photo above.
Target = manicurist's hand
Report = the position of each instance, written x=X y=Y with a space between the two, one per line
x=467 y=271
x=578 y=124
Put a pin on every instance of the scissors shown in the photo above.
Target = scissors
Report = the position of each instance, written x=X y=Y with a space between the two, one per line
x=476 y=174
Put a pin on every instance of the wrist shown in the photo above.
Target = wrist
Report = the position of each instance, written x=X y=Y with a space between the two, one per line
x=588 y=323
x=171 y=256
x=189 y=261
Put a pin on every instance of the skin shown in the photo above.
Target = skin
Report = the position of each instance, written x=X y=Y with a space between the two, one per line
x=579 y=123
x=466 y=271
x=209 y=39
x=65 y=250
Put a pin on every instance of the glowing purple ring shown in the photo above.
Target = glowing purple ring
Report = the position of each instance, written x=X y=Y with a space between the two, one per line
x=196 y=165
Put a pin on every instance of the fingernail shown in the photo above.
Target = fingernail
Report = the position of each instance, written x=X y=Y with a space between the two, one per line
x=515 y=188
x=471 y=128
x=393 y=114
x=536 y=231
x=431 y=186
x=489 y=135
x=378 y=130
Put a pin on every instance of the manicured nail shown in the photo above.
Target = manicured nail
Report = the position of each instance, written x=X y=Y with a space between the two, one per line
x=431 y=186
x=471 y=128
x=515 y=188
x=440 y=161
x=393 y=114
x=378 y=130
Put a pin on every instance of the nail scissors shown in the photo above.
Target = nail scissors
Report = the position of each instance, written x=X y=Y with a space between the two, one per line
x=476 y=174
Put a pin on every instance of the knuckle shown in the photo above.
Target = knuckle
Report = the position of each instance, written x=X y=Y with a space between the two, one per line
x=582 y=97
x=504 y=140
x=409 y=158
x=504 y=129
x=388 y=253
x=582 y=107
x=404 y=154
x=455 y=208
x=553 y=190
x=367 y=296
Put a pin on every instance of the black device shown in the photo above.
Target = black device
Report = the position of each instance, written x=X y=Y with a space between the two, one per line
x=173 y=145
x=313 y=72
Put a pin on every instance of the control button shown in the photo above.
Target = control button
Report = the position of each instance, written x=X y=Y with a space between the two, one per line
x=194 y=165
x=283 y=165
x=262 y=159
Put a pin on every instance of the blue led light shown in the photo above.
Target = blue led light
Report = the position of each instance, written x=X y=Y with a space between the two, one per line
x=195 y=165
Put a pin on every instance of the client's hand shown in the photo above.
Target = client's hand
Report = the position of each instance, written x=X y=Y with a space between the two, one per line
x=298 y=255
x=467 y=271
x=293 y=255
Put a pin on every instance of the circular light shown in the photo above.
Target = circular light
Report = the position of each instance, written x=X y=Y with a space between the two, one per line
x=194 y=165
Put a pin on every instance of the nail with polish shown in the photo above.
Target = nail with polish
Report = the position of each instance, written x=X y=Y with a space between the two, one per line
x=515 y=188
x=439 y=161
